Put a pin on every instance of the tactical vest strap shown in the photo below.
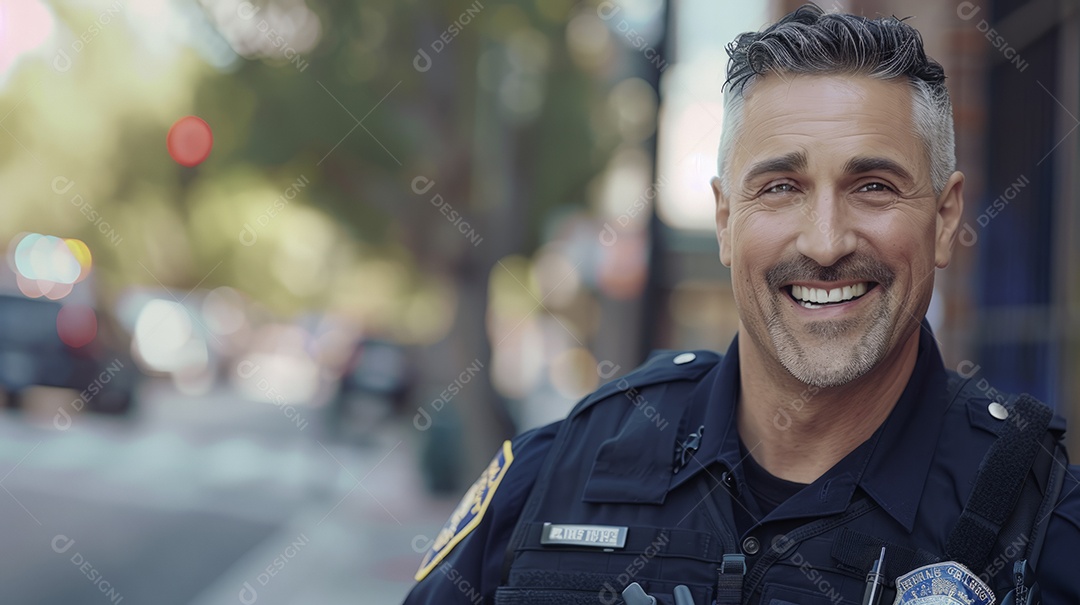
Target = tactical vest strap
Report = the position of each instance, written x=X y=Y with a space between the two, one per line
x=998 y=483
x=730 y=574
x=729 y=579
x=1058 y=462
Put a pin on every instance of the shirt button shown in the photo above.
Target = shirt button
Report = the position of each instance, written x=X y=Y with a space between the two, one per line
x=728 y=480
x=751 y=546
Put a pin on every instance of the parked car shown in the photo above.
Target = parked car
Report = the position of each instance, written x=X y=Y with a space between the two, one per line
x=53 y=332
x=32 y=353
x=374 y=386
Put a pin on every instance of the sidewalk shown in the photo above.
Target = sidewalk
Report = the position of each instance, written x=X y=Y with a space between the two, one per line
x=211 y=500
x=355 y=545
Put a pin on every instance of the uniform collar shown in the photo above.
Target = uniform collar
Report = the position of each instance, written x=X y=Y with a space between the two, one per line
x=891 y=466
x=902 y=449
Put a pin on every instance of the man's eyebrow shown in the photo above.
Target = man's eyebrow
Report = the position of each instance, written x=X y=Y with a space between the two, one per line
x=863 y=164
x=792 y=162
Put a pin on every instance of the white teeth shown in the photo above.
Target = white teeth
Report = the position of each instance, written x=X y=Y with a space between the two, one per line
x=809 y=296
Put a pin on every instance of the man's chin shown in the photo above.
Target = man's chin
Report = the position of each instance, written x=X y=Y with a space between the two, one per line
x=826 y=378
x=832 y=360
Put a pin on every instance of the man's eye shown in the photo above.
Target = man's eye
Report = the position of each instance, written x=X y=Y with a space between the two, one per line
x=874 y=188
x=781 y=188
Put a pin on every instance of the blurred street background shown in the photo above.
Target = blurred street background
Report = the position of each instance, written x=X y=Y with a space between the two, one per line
x=280 y=275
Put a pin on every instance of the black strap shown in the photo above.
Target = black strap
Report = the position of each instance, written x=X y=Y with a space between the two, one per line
x=729 y=579
x=998 y=484
x=730 y=574
x=1059 y=463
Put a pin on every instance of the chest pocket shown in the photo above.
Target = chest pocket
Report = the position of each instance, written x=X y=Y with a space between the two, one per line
x=658 y=559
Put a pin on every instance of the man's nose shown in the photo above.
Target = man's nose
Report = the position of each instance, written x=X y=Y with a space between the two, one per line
x=826 y=233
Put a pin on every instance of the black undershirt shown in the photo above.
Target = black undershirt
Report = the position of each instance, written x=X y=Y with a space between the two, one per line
x=768 y=490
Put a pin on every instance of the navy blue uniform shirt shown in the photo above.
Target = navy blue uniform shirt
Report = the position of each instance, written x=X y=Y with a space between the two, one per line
x=907 y=467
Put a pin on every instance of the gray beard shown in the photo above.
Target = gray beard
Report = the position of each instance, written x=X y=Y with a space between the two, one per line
x=822 y=371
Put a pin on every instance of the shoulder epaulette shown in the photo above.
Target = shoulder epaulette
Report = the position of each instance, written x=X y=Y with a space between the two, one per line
x=661 y=366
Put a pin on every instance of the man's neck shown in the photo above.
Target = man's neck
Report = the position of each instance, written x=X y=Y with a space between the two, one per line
x=798 y=432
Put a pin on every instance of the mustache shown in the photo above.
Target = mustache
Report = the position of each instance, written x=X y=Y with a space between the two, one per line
x=851 y=267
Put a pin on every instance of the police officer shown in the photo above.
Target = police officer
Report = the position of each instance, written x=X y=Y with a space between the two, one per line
x=830 y=428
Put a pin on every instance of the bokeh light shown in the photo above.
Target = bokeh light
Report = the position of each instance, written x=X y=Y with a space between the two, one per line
x=189 y=141
x=25 y=25
x=164 y=339
x=46 y=265
x=76 y=325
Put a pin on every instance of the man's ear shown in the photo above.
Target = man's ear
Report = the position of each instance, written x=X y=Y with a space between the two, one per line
x=723 y=213
x=950 y=208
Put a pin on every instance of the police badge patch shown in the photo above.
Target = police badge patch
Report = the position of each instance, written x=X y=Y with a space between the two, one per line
x=945 y=583
x=468 y=513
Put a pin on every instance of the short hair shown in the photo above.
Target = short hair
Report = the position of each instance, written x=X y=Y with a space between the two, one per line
x=810 y=41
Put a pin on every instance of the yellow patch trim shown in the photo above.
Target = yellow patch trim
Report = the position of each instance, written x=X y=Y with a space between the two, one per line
x=469 y=512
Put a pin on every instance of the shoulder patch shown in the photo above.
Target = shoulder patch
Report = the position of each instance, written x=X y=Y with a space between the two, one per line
x=469 y=511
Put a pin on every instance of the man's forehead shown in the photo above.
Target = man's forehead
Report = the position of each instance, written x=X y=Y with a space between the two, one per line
x=795 y=118
x=796 y=95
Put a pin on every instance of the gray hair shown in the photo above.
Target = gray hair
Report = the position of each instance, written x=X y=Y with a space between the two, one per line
x=810 y=41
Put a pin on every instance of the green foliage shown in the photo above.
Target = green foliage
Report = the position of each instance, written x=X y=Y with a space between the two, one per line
x=352 y=116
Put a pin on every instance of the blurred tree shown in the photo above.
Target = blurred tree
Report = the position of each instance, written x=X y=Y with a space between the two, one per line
x=474 y=109
x=376 y=159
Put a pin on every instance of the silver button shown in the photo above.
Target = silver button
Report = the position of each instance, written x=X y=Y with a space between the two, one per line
x=751 y=546
x=682 y=358
x=998 y=411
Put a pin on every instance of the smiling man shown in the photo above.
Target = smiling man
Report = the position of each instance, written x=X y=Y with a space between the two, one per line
x=830 y=432
x=832 y=223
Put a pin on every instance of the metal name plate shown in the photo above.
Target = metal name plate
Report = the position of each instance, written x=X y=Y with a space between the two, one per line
x=597 y=536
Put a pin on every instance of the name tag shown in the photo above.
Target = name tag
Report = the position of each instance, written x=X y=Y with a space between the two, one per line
x=597 y=536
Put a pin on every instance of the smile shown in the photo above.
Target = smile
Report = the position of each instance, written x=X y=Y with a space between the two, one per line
x=817 y=298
